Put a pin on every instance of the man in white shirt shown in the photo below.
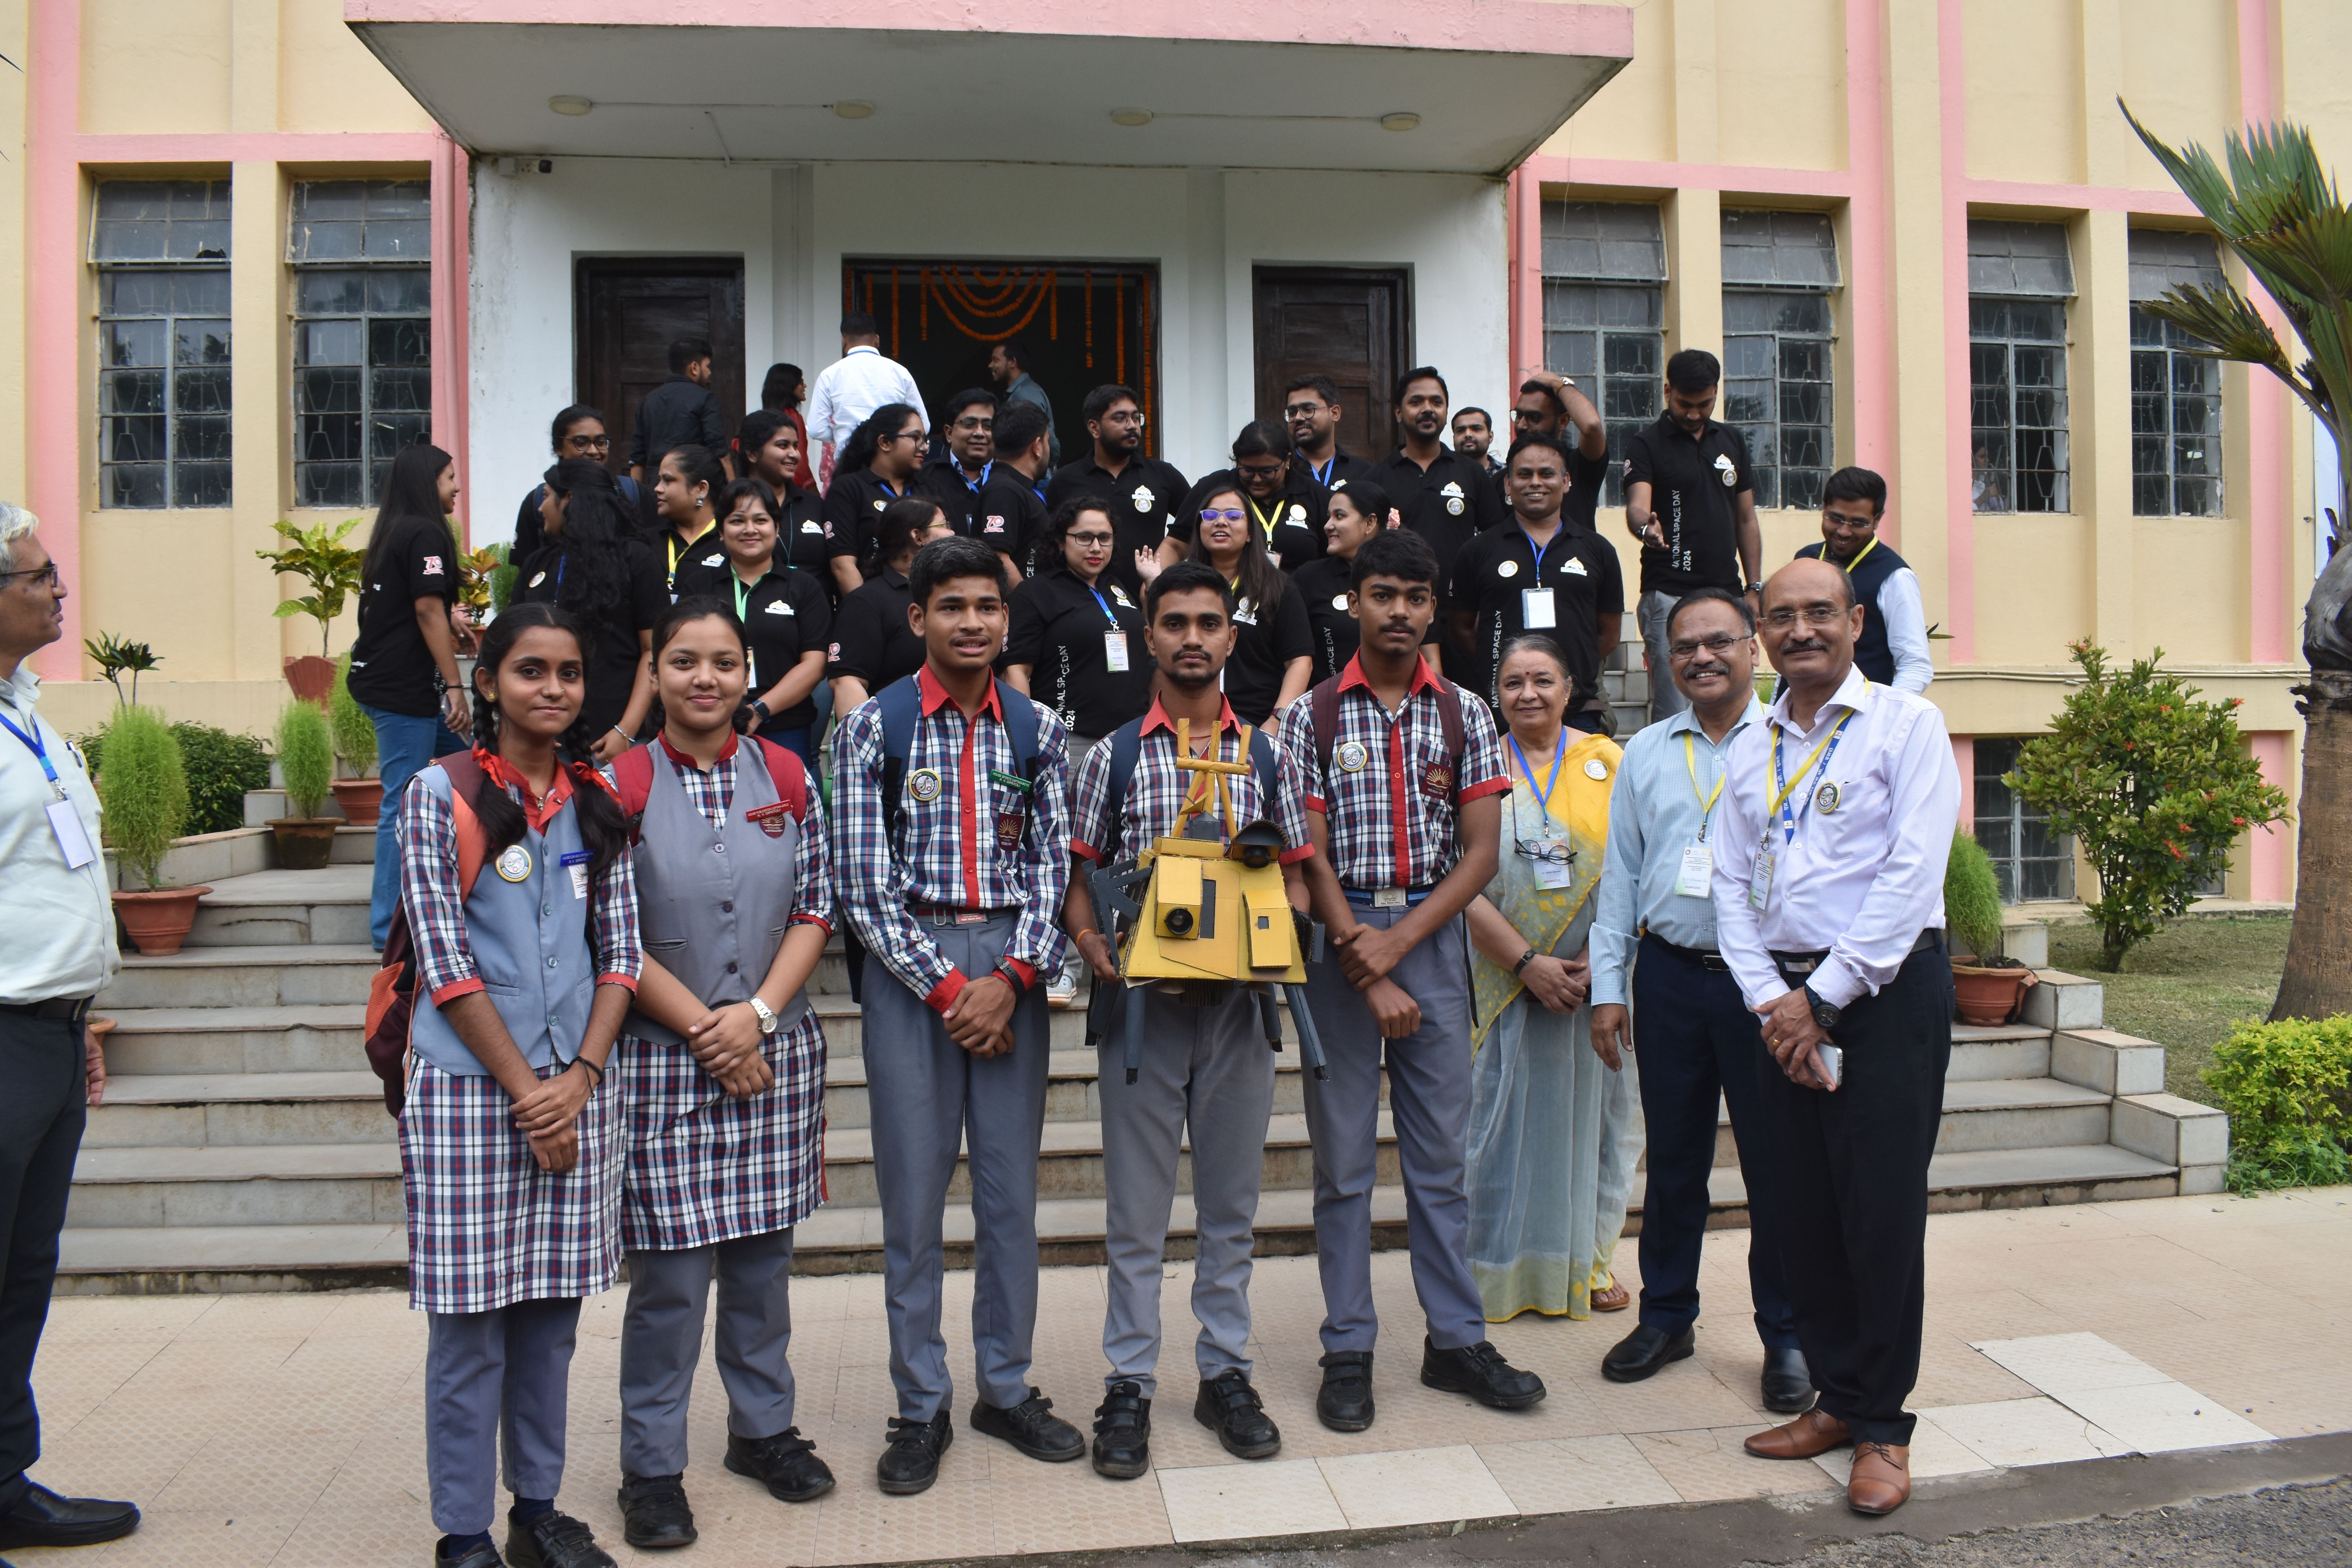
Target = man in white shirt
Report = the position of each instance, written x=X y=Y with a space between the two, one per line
x=853 y=386
x=1829 y=901
x=1892 y=647
x=56 y=951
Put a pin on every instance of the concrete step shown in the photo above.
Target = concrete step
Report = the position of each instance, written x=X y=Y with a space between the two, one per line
x=1983 y=1116
x=237 y=1184
x=211 y=1110
x=273 y=975
x=2006 y=1050
x=276 y=908
x=304 y=1038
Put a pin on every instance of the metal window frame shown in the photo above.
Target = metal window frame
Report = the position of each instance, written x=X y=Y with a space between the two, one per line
x=371 y=466
x=1616 y=230
x=2010 y=867
x=1767 y=475
x=2169 y=355
x=216 y=190
x=2061 y=476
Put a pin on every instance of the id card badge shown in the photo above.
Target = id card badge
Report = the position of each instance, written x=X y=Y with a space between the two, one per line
x=65 y=823
x=1552 y=874
x=1696 y=879
x=576 y=864
x=1760 y=881
x=1115 y=652
x=1536 y=609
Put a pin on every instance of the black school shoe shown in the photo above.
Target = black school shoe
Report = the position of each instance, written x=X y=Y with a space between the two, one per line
x=911 y=1463
x=654 y=1513
x=786 y=1463
x=1480 y=1372
x=486 y=1555
x=40 y=1517
x=1645 y=1351
x=554 y=1541
x=1231 y=1408
x=1345 y=1403
x=1123 y=1432
x=1031 y=1426
x=1788 y=1385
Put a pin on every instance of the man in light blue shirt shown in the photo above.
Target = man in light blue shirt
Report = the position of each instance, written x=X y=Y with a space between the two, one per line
x=1698 y=1040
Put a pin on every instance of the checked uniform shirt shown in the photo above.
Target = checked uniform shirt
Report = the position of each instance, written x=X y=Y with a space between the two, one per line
x=1103 y=829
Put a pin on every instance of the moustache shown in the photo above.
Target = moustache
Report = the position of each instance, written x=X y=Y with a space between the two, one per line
x=1804 y=645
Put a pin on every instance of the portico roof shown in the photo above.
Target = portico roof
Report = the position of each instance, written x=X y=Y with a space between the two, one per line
x=1453 y=86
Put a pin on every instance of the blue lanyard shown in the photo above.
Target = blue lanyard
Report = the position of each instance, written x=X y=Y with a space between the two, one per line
x=1323 y=476
x=1558 y=757
x=1538 y=550
x=976 y=486
x=1827 y=750
x=1105 y=607
x=40 y=752
x=1039 y=490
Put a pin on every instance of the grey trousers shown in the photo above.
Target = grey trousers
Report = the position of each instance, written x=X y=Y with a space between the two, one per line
x=1429 y=1098
x=661 y=1341
x=1666 y=699
x=928 y=1095
x=1207 y=1070
x=496 y=1382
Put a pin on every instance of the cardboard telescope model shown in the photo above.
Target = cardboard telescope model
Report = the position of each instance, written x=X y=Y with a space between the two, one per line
x=1205 y=911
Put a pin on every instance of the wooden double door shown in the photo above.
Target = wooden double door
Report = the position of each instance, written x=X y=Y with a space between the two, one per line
x=631 y=309
x=1348 y=323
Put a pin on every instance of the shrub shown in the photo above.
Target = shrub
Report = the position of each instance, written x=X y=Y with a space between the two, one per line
x=306 y=757
x=2287 y=1086
x=2153 y=781
x=144 y=791
x=1972 y=897
x=354 y=731
x=220 y=768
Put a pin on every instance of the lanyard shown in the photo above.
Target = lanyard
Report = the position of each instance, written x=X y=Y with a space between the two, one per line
x=1706 y=802
x=1105 y=607
x=1538 y=550
x=1558 y=757
x=974 y=486
x=742 y=596
x=1322 y=475
x=1822 y=753
x=1269 y=523
x=1858 y=560
x=40 y=751
x=674 y=548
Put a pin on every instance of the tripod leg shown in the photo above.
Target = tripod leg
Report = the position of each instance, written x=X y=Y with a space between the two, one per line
x=1310 y=1044
x=1272 y=1017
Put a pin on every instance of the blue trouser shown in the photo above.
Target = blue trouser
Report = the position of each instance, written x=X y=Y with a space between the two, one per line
x=498 y=1385
x=1697 y=1042
x=404 y=743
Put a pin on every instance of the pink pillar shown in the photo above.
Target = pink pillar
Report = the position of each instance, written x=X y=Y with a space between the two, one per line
x=2268 y=849
x=1964 y=757
x=1959 y=524
x=2266 y=504
x=53 y=408
x=1867 y=289
x=1526 y=218
x=452 y=193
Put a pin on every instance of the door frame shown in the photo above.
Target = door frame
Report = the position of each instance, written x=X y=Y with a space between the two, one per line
x=708 y=265
x=1399 y=323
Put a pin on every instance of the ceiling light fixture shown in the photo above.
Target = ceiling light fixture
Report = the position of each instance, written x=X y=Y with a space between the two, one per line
x=1402 y=120
x=1130 y=117
x=570 y=103
x=854 y=109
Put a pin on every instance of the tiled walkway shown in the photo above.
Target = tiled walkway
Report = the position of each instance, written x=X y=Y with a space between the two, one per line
x=287 y=1429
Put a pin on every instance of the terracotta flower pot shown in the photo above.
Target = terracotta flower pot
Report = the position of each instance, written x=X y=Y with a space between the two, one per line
x=312 y=676
x=304 y=843
x=1988 y=996
x=360 y=799
x=159 y=919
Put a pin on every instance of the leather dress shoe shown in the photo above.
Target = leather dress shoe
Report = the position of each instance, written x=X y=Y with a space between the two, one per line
x=41 y=1518
x=911 y=1462
x=1123 y=1432
x=1788 y=1381
x=486 y=1555
x=1031 y=1426
x=1231 y=1408
x=1814 y=1434
x=786 y=1463
x=1882 y=1478
x=1641 y=1353
x=554 y=1541
x=1345 y=1401
x=654 y=1513
x=1480 y=1372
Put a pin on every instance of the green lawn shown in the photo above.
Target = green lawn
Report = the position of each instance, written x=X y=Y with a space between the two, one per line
x=2186 y=985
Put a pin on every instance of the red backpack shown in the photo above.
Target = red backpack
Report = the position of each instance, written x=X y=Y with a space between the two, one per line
x=632 y=778
x=392 y=993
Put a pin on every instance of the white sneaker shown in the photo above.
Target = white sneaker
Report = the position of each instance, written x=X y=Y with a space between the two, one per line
x=1062 y=990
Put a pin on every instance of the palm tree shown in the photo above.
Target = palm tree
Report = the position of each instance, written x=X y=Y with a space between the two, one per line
x=2280 y=210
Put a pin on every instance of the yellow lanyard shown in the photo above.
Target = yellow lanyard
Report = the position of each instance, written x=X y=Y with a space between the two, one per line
x=1781 y=799
x=1865 y=551
x=675 y=547
x=1706 y=802
x=1265 y=520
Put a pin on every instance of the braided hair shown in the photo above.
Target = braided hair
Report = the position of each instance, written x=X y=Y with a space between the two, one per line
x=601 y=827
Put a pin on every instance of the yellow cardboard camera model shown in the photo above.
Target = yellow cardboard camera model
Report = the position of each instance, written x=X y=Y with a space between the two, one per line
x=1211 y=914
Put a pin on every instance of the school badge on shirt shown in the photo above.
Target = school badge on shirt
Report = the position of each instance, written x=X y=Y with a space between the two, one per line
x=1353 y=756
x=1452 y=494
x=714 y=561
x=514 y=863
x=1828 y=797
x=770 y=818
x=1723 y=466
x=1437 y=781
x=1142 y=498
x=923 y=783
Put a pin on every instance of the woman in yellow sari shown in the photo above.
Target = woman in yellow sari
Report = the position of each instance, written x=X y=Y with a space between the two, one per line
x=1554 y=1134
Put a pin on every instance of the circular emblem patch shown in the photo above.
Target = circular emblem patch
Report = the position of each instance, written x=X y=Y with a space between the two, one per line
x=1297 y=515
x=536 y=581
x=1338 y=601
x=924 y=785
x=1353 y=756
x=1594 y=768
x=1827 y=798
x=879 y=504
x=1142 y=498
x=1453 y=506
x=514 y=863
x=1507 y=569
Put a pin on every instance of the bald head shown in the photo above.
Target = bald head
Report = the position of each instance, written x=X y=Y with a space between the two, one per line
x=1809 y=626
x=1805 y=581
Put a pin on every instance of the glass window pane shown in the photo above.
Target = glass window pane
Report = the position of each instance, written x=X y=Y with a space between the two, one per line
x=388 y=433
x=201 y=392
x=332 y=391
x=200 y=484
x=197 y=342
x=1573 y=354
x=402 y=391
x=327 y=484
x=131 y=485
x=1804 y=446
x=397 y=240
x=328 y=342
x=131 y=440
x=325 y=437
x=1746 y=356
x=400 y=291
x=400 y=341
x=200 y=435
x=135 y=343
x=330 y=293
x=1800 y=488
x=130 y=391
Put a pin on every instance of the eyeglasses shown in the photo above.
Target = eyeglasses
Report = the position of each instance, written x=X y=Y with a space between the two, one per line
x=1549 y=854
x=1259 y=470
x=1090 y=539
x=900 y=435
x=1130 y=417
x=589 y=443
x=975 y=424
x=1304 y=410
x=1782 y=619
x=1225 y=514
x=47 y=576
x=1719 y=644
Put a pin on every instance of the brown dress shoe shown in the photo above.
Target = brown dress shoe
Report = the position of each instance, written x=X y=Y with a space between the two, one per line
x=1882 y=1478
x=1616 y=1299
x=1814 y=1433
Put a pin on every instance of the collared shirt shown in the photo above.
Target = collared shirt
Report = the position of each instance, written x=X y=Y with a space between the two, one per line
x=1142 y=498
x=957 y=491
x=1655 y=811
x=1448 y=504
x=1058 y=627
x=1860 y=882
x=1695 y=485
x=1025 y=389
x=1341 y=464
x=1291 y=524
x=852 y=504
x=799 y=532
x=1492 y=576
x=853 y=387
x=678 y=413
x=57 y=923
x=392 y=667
x=871 y=639
x=1103 y=829
x=950 y=849
x=1012 y=517
x=1388 y=827
x=712 y=793
x=1892 y=647
x=786 y=613
x=1586 y=475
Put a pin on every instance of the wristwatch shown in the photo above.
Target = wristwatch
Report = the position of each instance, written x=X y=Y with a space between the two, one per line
x=760 y=707
x=1010 y=976
x=767 y=1018
x=1525 y=959
x=1757 y=589
x=1824 y=1015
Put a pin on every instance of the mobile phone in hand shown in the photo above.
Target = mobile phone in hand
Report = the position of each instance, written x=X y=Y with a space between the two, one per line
x=1832 y=1061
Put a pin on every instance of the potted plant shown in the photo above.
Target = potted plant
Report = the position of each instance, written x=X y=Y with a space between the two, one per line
x=142 y=793
x=360 y=796
x=331 y=568
x=1987 y=984
x=306 y=762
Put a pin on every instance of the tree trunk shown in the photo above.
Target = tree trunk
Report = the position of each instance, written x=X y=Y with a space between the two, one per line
x=2319 y=979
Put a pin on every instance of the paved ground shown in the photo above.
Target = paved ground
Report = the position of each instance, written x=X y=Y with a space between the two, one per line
x=2062 y=1341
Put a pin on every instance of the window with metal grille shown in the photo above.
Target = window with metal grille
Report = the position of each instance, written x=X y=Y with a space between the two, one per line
x=2030 y=861
x=1779 y=269
x=1604 y=267
x=161 y=249
x=2019 y=279
x=2176 y=393
x=362 y=334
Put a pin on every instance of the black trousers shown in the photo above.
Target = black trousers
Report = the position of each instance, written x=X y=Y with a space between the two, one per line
x=1698 y=1043
x=1852 y=1194
x=43 y=1104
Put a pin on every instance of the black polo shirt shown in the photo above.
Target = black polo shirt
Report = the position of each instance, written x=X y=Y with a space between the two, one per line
x=1059 y=630
x=1585 y=477
x=799 y=532
x=1143 y=498
x=852 y=503
x=1695 y=483
x=392 y=667
x=1322 y=584
x=785 y=615
x=674 y=555
x=1012 y=517
x=1492 y=575
x=957 y=492
x=1342 y=465
x=1268 y=638
x=871 y=639
x=1297 y=515
x=1447 y=504
x=614 y=654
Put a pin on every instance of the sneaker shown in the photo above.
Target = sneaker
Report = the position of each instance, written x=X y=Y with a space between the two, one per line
x=786 y=1463
x=1062 y=991
x=1123 y=1432
x=554 y=1541
x=911 y=1463
x=654 y=1513
x=1231 y=1408
x=1031 y=1428
x=1480 y=1372
x=1345 y=1403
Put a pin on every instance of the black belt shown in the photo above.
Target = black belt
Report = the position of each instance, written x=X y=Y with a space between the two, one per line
x=1806 y=962
x=60 y=1009
x=1706 y=958
x=956 y=914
